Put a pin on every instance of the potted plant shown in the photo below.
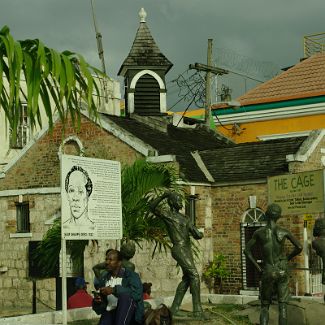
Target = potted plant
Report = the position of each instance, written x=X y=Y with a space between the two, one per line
x=214 y=273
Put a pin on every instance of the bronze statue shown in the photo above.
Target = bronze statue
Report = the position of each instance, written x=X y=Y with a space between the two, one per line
x=179 y=228
x=318 y=244
x=271 y=239
x=128 y=251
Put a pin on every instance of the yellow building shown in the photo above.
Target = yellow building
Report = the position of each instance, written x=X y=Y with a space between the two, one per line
x=292 y=103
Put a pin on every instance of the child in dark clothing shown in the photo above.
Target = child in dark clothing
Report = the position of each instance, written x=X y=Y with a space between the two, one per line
x=146 y=290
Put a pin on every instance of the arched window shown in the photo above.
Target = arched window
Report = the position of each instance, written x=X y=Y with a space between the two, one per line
x=253 y=216
x=71 y=146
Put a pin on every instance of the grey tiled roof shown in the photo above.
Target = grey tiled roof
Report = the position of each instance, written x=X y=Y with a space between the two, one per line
x=145 y=52
x=176 y=141
x=250 y=161
x=227 y=162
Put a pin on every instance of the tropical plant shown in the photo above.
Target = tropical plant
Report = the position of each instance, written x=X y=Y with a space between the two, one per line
x=215 y=271
x=140 y=182
x=58 y=80
x=48 y=251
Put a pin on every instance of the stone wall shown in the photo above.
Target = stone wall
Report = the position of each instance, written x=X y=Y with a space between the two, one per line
x=15 y=285
x=228 y=206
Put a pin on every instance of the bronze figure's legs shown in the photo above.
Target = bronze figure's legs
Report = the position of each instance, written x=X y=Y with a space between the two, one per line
x=282 y=313
x=179 y=295
x=264 y=315
x=190 y=279
x=195 y=291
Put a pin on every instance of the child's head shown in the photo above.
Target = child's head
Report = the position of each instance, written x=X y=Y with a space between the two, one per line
x=147 y=287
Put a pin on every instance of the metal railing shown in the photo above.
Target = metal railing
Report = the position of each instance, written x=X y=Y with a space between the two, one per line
x=313 y=44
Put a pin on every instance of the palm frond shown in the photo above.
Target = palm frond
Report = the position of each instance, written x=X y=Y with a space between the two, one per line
x=63 y=79
x=48 y=250
x=141 y=182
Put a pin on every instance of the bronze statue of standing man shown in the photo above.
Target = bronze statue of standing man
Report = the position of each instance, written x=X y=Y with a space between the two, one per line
x=271 y=239
x=180 y=228
x=318 y=244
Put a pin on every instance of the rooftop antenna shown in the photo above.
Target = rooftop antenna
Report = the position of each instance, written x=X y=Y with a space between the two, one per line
x=100 y=50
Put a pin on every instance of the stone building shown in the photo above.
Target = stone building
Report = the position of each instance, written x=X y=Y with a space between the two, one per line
x=219 y=176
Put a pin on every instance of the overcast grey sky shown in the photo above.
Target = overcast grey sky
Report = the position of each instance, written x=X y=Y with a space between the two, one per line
x=263 y=30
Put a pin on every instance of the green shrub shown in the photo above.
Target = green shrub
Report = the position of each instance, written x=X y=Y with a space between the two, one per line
x=215 y=271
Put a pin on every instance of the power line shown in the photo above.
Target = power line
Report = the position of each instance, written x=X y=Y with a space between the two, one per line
x=185 y=111
x=190 y=88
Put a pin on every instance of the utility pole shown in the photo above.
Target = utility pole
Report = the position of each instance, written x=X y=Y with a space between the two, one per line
x=209 y=69
x=208 y=86
x=99 y=40
x=100 y=52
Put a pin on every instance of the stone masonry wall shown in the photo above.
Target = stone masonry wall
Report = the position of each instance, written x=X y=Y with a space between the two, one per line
x=15 y=286
x=229 y=205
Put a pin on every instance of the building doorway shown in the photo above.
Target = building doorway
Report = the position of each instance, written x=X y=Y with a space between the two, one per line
x=252 y=219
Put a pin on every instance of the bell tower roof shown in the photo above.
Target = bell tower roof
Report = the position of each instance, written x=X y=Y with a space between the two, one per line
x=144 y=52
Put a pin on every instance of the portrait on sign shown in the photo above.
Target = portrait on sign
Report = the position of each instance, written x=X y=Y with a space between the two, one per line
x=91 y=205
x=78 y=187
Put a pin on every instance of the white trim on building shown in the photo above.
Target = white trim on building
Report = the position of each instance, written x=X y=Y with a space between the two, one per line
x=271 y=114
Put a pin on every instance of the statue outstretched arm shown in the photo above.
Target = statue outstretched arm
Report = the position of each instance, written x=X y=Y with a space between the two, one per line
x=248 y=252
x=297 y=246
x=153 y=205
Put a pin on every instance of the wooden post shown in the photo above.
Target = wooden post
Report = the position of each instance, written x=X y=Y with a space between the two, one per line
x=208 y=85
x=34 y=297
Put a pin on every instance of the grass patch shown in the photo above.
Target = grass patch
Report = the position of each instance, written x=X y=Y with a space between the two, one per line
x=228 y=311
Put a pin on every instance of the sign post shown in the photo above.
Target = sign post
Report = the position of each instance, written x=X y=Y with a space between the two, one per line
x=64 y=281
x=91 y=205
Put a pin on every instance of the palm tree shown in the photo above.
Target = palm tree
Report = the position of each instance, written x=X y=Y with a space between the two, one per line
x=140 y=182
x=57 y=79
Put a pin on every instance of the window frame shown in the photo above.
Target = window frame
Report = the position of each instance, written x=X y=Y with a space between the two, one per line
x=190 y=207
x=23 y=130
x=22 y=217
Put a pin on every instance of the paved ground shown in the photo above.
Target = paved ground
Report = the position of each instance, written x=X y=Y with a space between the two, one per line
x=300 y=312
x=10 y=311
x=221 y=315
